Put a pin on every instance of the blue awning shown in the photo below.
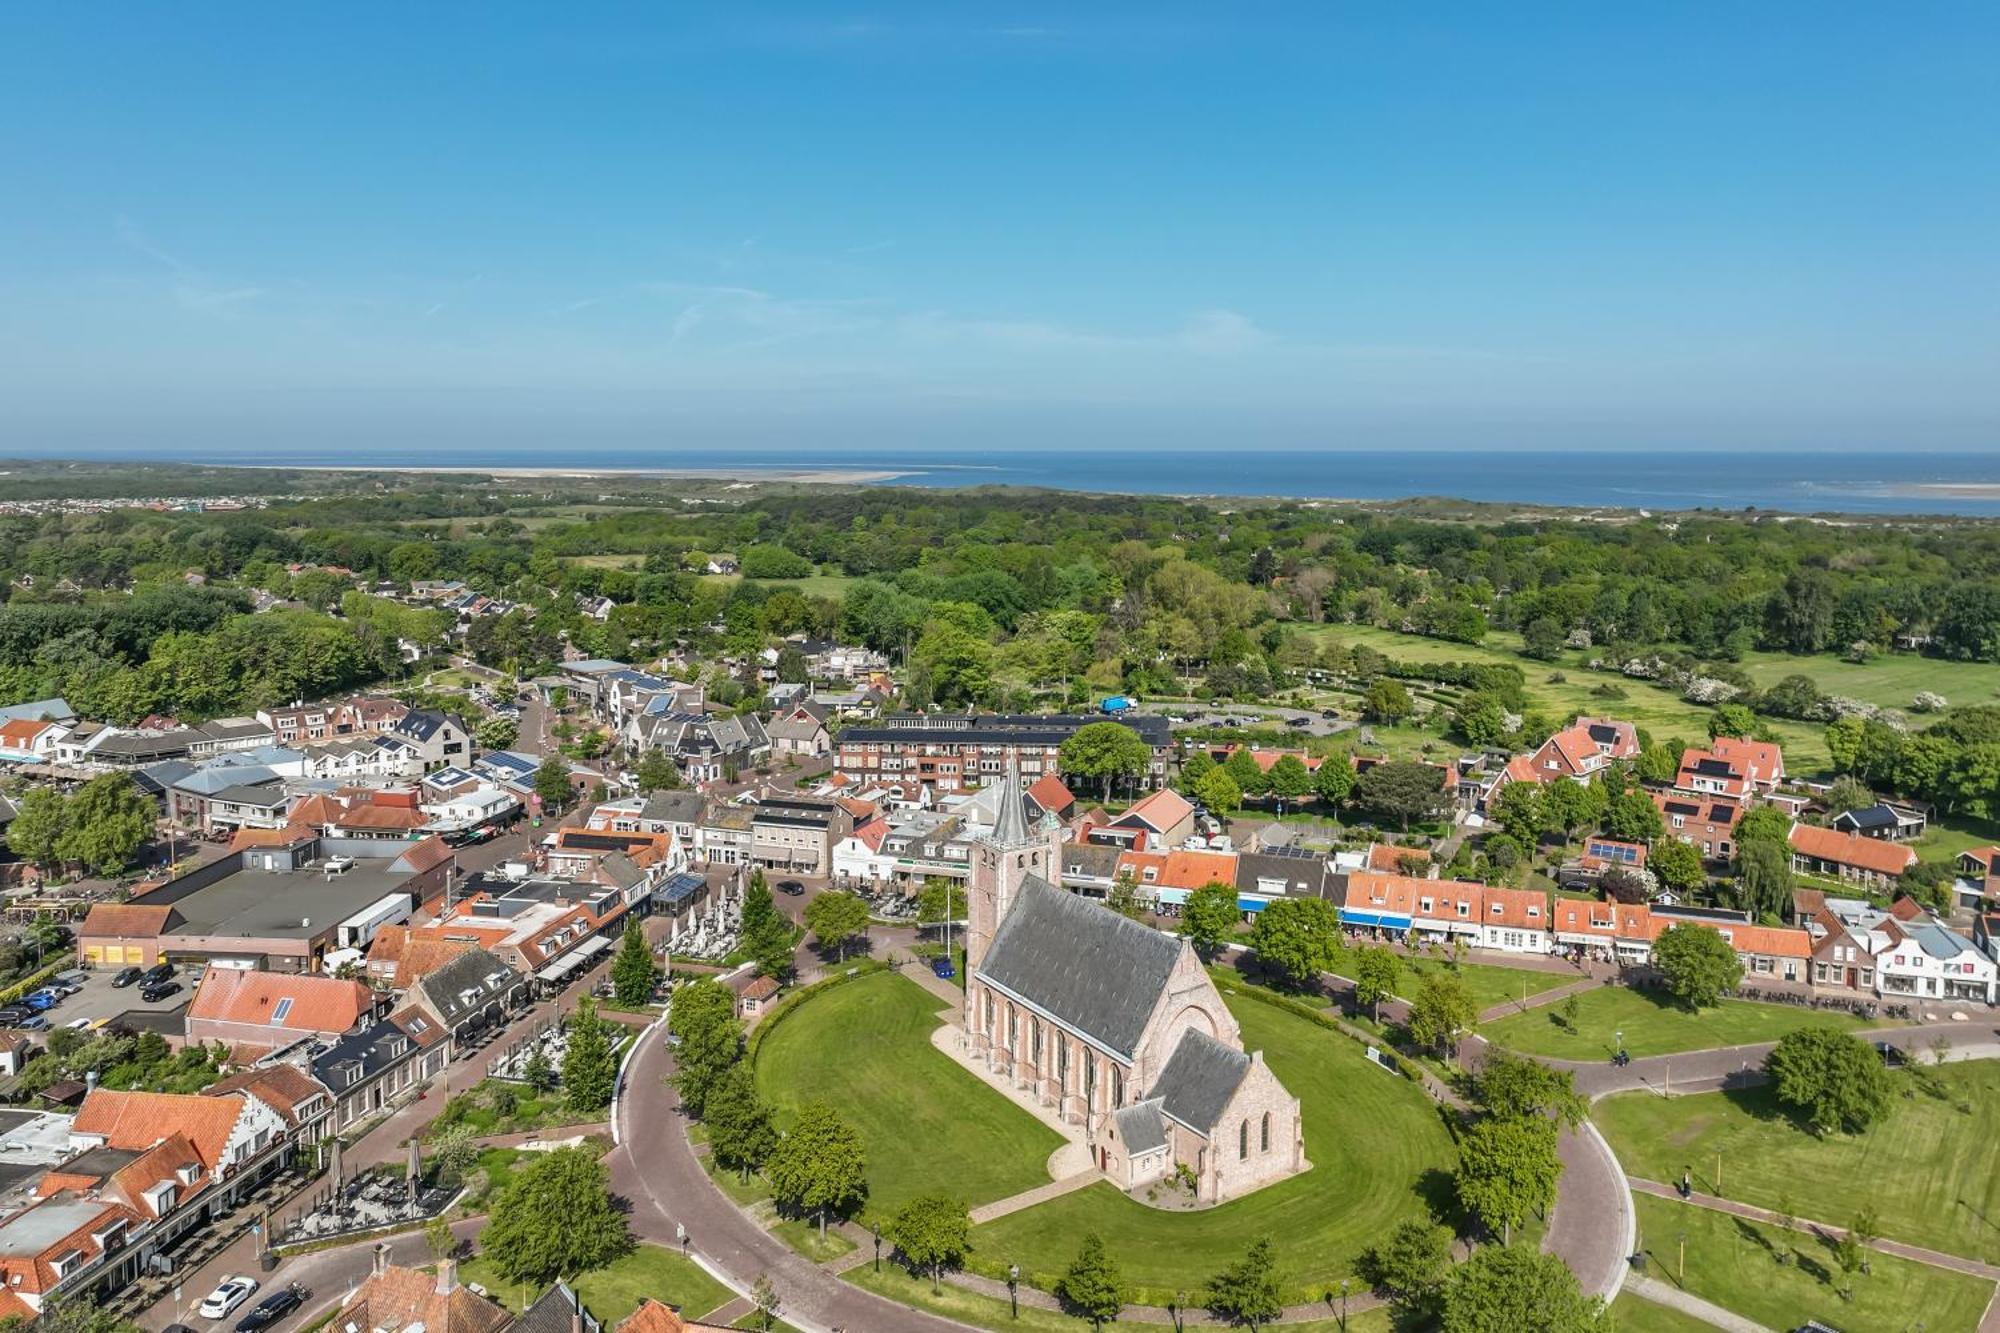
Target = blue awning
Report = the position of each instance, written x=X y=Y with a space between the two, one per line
x=1351 y=916
x=1173 y=895
x=1245 y=903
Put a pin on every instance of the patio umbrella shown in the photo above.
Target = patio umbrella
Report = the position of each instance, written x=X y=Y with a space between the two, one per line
x=416 y=1172
x=334 y=1169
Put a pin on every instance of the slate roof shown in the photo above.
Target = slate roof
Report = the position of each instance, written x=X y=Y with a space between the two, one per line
x=1873 y=816
x=551 y=1313
x=1141 y=1127
x=1090 y=969
x=673 y=807
x=1200 y=1078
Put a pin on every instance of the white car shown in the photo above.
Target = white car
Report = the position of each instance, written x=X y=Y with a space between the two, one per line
x=232 y=1292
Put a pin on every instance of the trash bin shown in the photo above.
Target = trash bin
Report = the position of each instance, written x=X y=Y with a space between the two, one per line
x=1639 y=1263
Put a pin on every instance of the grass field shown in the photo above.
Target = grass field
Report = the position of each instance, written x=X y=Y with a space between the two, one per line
x=1653 y=1024
x=1930 y=1171
x=814 y=585
x=614 y=1291
x=1734 y=1264
x=1378 y=1152
x=607 y=560
x=985 y=1312
x=1636 y=1314
x=1661 y=712
x=1892 y=680
x=1488 y=985
x=923 y=1120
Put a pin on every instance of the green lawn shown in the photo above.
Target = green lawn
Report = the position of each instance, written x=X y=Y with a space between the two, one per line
x=1488 y=984
x=1653 y=1024
x=1733 y=1263
x=1891 y=680
x=987 y=1312
x=1379 y=1152
x=924 y=1121
x=1931 y=1171
x=1636 y=1314
x=813 y=585
x=614 y=1291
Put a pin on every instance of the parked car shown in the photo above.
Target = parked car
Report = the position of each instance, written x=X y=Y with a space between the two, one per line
x=158 y=990
x=128 y=976
x=157 y=972
x=272 y=1308
x=32 y=1023
x=942 y=966
x=81 y=1024
x=791 y=886
x=230 y=1293
x=12 y=1015
x=40 y=1000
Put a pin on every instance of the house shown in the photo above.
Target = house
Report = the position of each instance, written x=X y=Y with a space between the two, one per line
x=30 y=740
x=439 y=739
x=800 y=733
x=705 y=748
x=1902 y=951
x=1846 y=856
x=755 y=996
x=1391 y=859
x=796 y=834
x=1843 y=944
x=468 y=995
x=1157 y=821
x=1584 y=749
x=261 y=1011
x=959 y=752
x=298 y=1098
x=543 y=928
x=653 y=1317
x=1708 y=823
x=1761 y=762
x=1706 y=773
x=1514 y=920
x=375 y=1069
x=1882 y=821
x=1115 y=1027
x=1167 y=878
x=1626 y=931
x=1048 y=795
x=392 y=1297
x=1978 y=882
x=1282 y=872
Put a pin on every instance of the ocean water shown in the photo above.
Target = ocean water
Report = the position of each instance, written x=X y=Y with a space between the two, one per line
x=1884 y=482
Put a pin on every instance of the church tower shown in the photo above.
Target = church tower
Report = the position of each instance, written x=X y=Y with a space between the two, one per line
x=1003 y=858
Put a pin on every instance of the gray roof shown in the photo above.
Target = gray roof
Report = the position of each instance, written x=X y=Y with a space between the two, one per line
x=1141 y=1127
x=1010 y=822
x=673 y=807
x=1081 y=963
x=54 y=710
x=1200 y=1078
x=551 y=1313
x=466 y=983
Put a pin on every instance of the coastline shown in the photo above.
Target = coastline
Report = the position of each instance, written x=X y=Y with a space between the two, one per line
x=749 y=473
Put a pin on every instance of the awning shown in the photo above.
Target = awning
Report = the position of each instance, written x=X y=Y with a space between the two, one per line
x=574 y=959
x=1246 y=903
x=1354 y=916
x=1174 y=896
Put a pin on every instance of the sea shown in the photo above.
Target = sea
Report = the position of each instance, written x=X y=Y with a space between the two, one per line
x=1853 y=482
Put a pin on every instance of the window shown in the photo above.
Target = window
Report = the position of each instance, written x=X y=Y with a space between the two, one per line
x=1464 y=908
x=283 y=1010
x=1090 y=1080
x=1267 y=1132
x=1243 y=1141
x=1425 y=906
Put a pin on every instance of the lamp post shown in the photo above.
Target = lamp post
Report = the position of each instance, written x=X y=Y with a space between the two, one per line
x=1013 y=1290
x=878 y=1247
x=681 y=1235
x=1620 y=1036
x=1343 y=1305
x=1180 y=1310
x=1684 y=1259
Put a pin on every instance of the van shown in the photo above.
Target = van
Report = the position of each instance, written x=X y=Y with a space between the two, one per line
x=155 y=974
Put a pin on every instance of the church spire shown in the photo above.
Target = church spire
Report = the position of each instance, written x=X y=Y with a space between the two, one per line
x=1010 y=822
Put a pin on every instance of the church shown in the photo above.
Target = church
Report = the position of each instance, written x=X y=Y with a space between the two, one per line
x=1114 y=1026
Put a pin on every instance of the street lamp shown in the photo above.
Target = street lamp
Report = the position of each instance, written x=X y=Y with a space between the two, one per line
x=878 y=1247
x=681 y=1235
x=1180 y=1310
x=1013 y=1290
x=1343 y=1305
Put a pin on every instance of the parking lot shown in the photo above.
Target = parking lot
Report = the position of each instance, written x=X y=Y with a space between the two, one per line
x=99 y=1002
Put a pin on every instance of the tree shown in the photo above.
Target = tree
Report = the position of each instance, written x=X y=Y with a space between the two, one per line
x=1632 y=817
x=934 y=1232
x=1411 y=1266
x=1193 y=769
x=538 y=1073
x=1732 y=720
x=1575 y=805
x=1677 y=864
x=703 y=1018
x=1522 y=811
x=1107 y=750
x=1482 y=720
x=656 y=772
x=1298 y=937
x=453 y=1149
x=1835 y=1080
x=438 y=1238
x=38 y=827
x=1764 y=876
x=1219 y=793
x=1659 y=762
x=1404 y=790
x=1442 y=1012
x=741 y=1134
x=1377 y=970
x=940 y=900
x=1514 y=1087
x=1501 y=1287
x=1210 y=916
x=818 y=1167
x=1247 y=1291
x=764 y=1295
x=1764 y=823
x=105 y=823
x=835 y=917
x=497 y=733
x=1387 y=701
x=555 y=1218
x=767 y=936
x=1506 y=1169
x=1333 y=781
x=589 y=1070
x=1699 y=965
x=1289 y=779
x=552 y=782
x=633 y=971
x=1090 y=1287
x=73 y=1314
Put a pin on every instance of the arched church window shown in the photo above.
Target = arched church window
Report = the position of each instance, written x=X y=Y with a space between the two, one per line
x=1267 y=1133
x=1243 y=1140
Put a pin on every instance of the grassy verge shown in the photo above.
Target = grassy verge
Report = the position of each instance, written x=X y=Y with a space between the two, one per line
x=1735 y=1264
x=1636 y=1314
x=1653 y=1023
x=614 y=1291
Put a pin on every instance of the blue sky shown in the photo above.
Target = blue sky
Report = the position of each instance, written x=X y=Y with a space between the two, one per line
x=259 y=227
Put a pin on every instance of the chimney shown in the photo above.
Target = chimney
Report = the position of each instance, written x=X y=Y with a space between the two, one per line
x=447 y=1276
x=575 y=1313
x=381 y=1265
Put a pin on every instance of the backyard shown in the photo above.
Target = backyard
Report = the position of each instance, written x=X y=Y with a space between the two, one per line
x=1379 y=1154
x=1653 y=1023
x=924 y=1122
x=1931 y=1170
x=1734 y=1263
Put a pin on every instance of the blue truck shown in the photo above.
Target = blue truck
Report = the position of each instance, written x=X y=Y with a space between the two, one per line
x=1116 y=704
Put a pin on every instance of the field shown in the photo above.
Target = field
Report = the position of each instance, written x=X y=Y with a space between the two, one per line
x=1931 y=1171
x=924 y=1122
x=1734 y=1263
x=1891 y=681
x=813 y=585
x=1653 y=1024
x=1379 y=1153
x=1488 y=985
x=614 y=1291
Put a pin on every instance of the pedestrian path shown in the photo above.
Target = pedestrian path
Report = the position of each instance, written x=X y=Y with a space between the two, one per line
x=1667 y=1294
x=1555 y=995
x=1055 y=1189
x=1915 y=1253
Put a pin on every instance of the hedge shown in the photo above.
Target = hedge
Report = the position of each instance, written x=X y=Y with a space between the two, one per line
x=1320 y=1016
x=866 y=967
x=35 y=980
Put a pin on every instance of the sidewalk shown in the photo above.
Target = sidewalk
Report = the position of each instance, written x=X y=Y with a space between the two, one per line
x=1667 y=1294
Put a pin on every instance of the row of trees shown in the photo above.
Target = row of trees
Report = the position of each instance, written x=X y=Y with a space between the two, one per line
x=100 y=826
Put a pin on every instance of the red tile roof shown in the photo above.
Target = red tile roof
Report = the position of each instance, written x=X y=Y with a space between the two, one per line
x=1160 y=811
x=1825 y=844
x=1051 y=794
x=318 y=1004
x=1390 y=859
x=138 y=1120
x=127 y=920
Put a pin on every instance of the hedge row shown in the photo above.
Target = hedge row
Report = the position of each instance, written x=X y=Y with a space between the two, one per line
x=855 y=971
x=1323 y=1018
x=35 y=980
